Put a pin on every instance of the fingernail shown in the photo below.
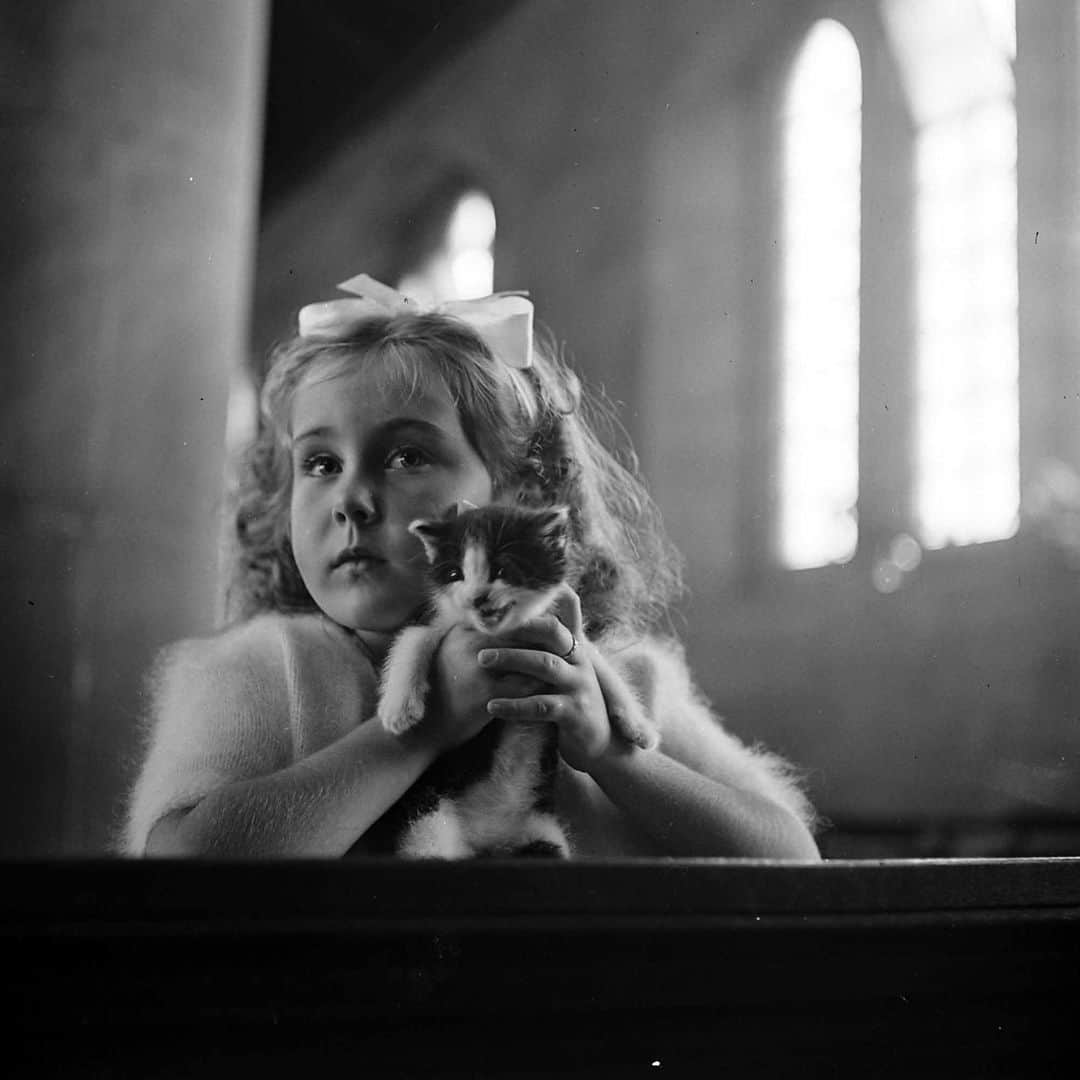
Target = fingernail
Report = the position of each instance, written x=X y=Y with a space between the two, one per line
x=486 y=656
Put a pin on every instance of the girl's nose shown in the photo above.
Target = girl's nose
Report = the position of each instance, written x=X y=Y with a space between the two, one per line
x=356 y=504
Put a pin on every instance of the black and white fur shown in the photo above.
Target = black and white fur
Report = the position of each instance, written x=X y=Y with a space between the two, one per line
x=491 y=568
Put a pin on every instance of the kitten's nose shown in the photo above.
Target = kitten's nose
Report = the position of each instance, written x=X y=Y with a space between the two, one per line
x=481 y=598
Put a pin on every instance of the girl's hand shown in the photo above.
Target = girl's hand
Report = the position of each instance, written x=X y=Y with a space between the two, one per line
x=556 y=654
x=461 y=687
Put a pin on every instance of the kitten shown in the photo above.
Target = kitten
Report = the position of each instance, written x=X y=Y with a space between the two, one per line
x=491 y=568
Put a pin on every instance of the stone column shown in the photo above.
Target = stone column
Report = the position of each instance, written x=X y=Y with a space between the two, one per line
x=129 y=135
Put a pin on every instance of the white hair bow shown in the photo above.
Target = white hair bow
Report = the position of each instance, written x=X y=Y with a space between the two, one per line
x=504 y=320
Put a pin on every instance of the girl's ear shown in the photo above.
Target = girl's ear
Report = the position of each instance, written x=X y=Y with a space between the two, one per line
x=429 y=533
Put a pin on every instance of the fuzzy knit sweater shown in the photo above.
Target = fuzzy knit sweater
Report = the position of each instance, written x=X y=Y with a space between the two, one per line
x=269 y=692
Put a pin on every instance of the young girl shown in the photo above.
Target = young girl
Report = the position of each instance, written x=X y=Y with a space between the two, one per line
x=263 y=741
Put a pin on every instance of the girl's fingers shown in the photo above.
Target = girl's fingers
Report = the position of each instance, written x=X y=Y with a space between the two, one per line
x=541 y=708
x=544 y=632
x=537 y=663
x=567 y=608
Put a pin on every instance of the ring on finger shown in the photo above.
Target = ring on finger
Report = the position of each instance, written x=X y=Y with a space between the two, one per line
x=573 y=648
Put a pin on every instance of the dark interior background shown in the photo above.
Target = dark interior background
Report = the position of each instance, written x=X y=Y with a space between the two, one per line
x=334 y=67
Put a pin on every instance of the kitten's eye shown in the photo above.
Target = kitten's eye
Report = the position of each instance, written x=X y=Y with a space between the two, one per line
x=320 y=465
x=448 y=574
x=407 y=457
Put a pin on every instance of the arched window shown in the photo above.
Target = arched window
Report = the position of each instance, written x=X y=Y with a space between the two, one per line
x=819 y=361
x=462 y=266
x=956 y=59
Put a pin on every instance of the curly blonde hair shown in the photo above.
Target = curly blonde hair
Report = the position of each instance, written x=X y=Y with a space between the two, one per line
x=536 y=430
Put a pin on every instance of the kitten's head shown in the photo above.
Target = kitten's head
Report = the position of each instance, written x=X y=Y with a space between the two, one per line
x=495 y=567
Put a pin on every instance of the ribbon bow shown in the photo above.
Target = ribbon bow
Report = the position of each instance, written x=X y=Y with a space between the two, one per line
x=504 y=320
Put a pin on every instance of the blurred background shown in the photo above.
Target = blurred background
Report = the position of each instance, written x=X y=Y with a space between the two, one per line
x=823 y=254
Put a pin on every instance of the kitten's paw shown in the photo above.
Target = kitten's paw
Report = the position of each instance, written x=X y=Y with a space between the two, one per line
x=634 y=728
x=625 y=714
x=399 y=713
x=436 y=835
x=397 y=722
x=541 y=849
x=542 y=837
x=402 y=717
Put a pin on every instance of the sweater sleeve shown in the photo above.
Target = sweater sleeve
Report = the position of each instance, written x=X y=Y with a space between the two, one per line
x=220 y=713
x=690 y=732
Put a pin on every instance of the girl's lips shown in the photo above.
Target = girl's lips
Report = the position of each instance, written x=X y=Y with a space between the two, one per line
x=360 y=569
x=359 y=557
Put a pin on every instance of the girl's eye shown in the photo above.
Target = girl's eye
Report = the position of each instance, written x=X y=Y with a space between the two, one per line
x=320 y=465
x=407 y=457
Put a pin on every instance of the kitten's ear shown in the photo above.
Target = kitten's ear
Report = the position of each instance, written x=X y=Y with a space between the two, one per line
x=455 y=511
x=554 y=525
x=429 y=533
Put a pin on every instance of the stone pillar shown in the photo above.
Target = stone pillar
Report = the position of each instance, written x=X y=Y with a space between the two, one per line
x=129 y=135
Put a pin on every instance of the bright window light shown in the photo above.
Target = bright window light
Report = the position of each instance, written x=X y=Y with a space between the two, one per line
x=819 y=391
x=463 y=267
x=959 y=78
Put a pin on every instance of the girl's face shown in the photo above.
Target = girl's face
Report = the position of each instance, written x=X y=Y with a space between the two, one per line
x=367 y=460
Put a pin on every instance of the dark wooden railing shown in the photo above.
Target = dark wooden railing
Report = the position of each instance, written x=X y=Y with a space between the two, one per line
x=923 y=968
